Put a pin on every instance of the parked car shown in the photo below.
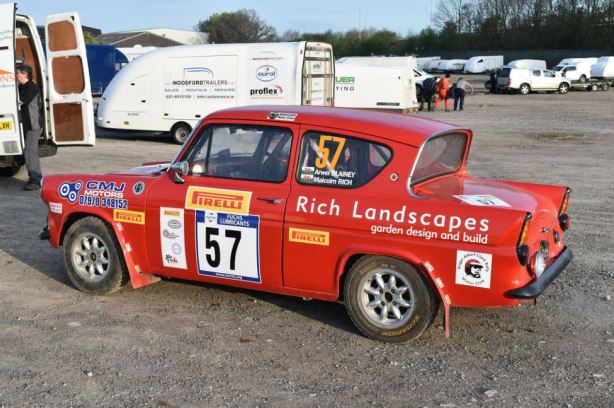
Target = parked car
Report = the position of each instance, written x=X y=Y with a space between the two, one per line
x=530 y=80
x=373 y=209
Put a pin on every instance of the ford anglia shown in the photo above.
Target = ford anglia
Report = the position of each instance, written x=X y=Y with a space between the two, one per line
x=376 y=210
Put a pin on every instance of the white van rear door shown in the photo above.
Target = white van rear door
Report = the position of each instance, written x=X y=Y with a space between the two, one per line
x=70 y=95
x=9 y=122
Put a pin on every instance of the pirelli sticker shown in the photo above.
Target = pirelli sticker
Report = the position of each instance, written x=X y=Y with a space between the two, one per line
x=312 y=237
x=129 y=217
x=215 y=199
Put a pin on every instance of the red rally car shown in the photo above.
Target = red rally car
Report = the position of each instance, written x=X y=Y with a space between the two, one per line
x=374 y=209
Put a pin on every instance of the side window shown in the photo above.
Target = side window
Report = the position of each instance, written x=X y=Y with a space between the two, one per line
x=537 y=73
x=548 y=74
x=244 y=152
x=339 y=161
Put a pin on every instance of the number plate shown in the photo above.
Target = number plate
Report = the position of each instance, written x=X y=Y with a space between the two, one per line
x=227 y=245
x=6 y=125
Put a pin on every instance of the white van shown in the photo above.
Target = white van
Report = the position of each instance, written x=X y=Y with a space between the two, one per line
x=603 y=69
x=483 y=63
x=529 y=80
x=63 y=79
x=373 y=87
x=575 y=70
x=171 y=89
x=527 y=63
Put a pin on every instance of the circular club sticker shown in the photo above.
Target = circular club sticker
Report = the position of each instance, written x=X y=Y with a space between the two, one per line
x=473 y=269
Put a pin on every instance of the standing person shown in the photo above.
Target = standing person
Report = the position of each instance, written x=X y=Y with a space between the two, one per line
x=429 y=87
x=493 y=82
x=460 y=87
x=31 y=120
x=442 y=91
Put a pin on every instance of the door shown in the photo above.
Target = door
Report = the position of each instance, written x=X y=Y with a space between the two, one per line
x=224 y=223
x=550 y=81
x=318 y=75
x=70 y=94
x=537 y=80
x=9 y=121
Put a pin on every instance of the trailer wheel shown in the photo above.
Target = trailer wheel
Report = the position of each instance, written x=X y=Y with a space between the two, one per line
x=388 y=299
x=563 y=88
x=11 y=170
x=582 y=79
x=92 y=257
x=180 y=132
x=592 y=88
x=524 y=89
x=605 y=86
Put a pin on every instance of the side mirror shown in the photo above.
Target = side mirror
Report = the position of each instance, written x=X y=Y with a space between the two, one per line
x=180 y=169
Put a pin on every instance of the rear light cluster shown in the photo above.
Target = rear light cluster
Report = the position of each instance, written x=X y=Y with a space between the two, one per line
x=564 y=219
x=522 y=249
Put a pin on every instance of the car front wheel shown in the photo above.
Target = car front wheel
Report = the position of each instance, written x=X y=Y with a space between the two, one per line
x=388 y=299
x=525 y=89
x=563 y=88
x=92 y=258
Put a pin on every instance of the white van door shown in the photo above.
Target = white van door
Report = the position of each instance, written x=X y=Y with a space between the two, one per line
x=70 y=95
x=9 y=121
x=318 y=75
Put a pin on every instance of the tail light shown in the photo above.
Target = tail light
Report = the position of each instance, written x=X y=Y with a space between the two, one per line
x=522 y=249
x=564 y=220
x=509 y=81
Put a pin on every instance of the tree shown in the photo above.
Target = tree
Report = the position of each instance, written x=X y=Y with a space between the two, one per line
x=457 y=12
x=89 y=38
x=240 y=26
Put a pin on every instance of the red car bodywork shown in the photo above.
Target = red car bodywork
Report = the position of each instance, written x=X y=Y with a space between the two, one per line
x=309 y=234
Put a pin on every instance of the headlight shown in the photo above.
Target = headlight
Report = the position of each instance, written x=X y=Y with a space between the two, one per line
x=539 y=264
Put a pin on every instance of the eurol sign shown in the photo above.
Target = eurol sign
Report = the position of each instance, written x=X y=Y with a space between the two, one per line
x=266 y=73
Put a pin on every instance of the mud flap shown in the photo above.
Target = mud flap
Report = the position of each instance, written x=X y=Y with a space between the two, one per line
x=443 y=295
x=138 y=279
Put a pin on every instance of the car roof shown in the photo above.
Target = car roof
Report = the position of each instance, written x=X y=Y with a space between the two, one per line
x=403 y=128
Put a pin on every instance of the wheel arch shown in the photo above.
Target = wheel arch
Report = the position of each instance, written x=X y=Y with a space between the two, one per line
x=350 y=257
x=137 y=278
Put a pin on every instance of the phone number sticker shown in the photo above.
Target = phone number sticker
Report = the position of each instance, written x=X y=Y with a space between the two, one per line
x=227 y=245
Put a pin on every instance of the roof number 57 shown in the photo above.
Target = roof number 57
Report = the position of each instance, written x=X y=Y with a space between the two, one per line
x=322 y=160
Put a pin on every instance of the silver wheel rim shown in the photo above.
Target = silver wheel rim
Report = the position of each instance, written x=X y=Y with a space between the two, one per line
x=89 y=255
x=386 y=298
x=181 y=134
x=524 y=90
x=564 y=89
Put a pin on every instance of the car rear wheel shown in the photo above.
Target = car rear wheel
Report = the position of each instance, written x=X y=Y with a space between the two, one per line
x=10 y=171
x=563 y=88
x=180 y=132
x=389 y=300
x=92 y=258
x=524 y=89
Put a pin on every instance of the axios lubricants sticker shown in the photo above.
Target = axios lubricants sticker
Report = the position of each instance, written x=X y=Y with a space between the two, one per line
x=215 y=199
x=172 y=238
x=129 y=217
x=227 y=245
x=306 y=236
x=402 y=220
x=473 y=269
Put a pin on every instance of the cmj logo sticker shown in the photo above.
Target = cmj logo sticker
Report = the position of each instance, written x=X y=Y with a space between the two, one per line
x=473 y=269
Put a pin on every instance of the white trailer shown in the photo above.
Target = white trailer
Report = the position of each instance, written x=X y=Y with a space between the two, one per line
x=171 y=89
x=527 y=63
x=571 y=61
x=423 y=62
x=483 y=63
x=62 y=77
x=373 y=87
x=603 y=69
x=451 y=65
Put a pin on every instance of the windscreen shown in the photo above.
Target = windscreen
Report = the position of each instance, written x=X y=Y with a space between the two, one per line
x=505 y=72
x=440 y=155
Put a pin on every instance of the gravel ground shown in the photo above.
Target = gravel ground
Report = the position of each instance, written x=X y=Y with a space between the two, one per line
x=180 y=344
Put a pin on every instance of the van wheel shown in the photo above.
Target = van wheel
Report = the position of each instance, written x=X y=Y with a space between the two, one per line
x=389 y=300
x=563 y=88
x=582 y=79
x=180 y=132
x=524 y=89
x=11 y=170
x=418 y=91
x=92 y=257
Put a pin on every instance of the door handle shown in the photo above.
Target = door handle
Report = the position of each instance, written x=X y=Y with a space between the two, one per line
x=272 y=200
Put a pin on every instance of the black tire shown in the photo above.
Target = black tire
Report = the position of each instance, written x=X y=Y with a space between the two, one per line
x=487 y=84
x=605 y=86
x=582 y=79
x=563 y=88
x=593 y=87
x=180 y=132
x=418 y=91
x=380 y=308
x=82 y=264
x=10 y=171
x=524 y=89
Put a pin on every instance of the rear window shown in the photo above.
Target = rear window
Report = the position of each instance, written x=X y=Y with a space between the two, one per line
x=505 y=72
x=440 y=155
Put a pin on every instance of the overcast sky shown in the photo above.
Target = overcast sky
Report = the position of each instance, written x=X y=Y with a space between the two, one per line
x=403 y=17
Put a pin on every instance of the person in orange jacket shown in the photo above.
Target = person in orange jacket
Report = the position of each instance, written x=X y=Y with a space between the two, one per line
x=442 y=91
